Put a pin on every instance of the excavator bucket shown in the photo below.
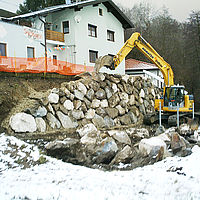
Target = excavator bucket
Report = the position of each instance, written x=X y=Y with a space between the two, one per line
x=105 y=61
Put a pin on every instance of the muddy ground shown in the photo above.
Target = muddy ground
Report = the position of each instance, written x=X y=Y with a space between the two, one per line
x=15 y=87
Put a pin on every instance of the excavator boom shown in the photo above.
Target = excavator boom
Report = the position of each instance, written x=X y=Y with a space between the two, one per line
x=137 y=41
x=173 y=97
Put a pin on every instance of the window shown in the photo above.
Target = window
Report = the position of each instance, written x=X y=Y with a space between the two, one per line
x=65 y=27
x=3 y=49
x=54 y=59
x=92 y=30
x=110 y=36
x=100 y=12
x=93 y=55
x=30 y=52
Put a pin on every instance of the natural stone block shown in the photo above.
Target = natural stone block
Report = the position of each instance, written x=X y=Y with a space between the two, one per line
x=112 y=112
x=78 y=95
x=41 y=124
x=66 y=121
x=100 y=94
x=68 y=105
x=22 y=122
x=78 y=114
x=120 y=136
x=53 y=98
x=53 y=121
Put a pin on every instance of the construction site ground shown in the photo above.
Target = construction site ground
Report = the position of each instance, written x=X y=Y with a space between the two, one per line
x=15 y=87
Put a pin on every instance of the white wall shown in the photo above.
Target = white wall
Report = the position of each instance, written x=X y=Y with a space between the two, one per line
x=85 y=43
x=78 y=35
x=17 y=40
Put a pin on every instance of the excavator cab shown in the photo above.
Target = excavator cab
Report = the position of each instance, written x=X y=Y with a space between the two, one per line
x=174 y=96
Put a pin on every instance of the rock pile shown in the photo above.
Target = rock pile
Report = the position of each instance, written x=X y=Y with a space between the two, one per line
x=111 y=149
x=105 y=101
x=99 y=118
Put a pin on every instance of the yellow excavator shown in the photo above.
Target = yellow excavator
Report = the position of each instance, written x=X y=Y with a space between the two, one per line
x=174 y=96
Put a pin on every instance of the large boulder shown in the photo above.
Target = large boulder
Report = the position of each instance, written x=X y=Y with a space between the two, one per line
x=53 y=121
x=179 y=145
x=66 y=120
x=123 y=156
x=68 y=105
x=152 y=147
x=78 y=114
x=41 y=124
x=100 y=94
x=90 y=114
x=98 y=121
x=90 y=94
x=61 y=144
x=105 y=151
x=37 y=111
x=114 y=100
x=120 y=136
x=112 y=112
x=109 y=122
x=22 y=122
x=87 y=129
x=81 y=87
x=53 y=98
x=78 y=95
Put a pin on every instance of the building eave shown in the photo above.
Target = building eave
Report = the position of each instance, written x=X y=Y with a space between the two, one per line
x=111 y=7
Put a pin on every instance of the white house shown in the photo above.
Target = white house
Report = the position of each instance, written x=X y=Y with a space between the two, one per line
x=75 y=32
x=144 y=69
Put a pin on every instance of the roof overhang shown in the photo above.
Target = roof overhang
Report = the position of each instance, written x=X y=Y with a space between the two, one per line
x=111 y=7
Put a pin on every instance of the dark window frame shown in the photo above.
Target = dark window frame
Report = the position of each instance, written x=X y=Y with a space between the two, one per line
x=55 y=60
x=5 y=48
x=67 y=27
x=100 y=11
x=93 y=55
x=33 y=57
x=110 y=35
x=92 y=30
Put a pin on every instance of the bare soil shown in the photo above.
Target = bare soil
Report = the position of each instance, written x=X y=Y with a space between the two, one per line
x=13 y=88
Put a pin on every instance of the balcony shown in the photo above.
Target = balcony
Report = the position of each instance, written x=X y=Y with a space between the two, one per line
x=54 y=35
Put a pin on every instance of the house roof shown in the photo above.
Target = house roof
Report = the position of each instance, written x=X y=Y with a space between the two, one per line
x=5 y=13
x=135 y=65
x=111 y=6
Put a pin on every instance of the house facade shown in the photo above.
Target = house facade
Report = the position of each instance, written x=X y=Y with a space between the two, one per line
x=77 y=33
x=148 y=70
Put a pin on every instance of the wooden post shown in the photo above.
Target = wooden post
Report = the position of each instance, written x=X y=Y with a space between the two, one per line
x=45 y=47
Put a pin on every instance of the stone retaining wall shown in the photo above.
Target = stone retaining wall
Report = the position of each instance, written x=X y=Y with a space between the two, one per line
x=103 y=100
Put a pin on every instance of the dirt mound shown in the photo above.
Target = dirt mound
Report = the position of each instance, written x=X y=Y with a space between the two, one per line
x=15 y=88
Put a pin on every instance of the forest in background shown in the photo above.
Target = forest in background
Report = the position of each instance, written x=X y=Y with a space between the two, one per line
x=178 y=43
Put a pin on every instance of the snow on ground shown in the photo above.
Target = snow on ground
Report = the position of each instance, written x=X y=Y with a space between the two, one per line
x=173 y=178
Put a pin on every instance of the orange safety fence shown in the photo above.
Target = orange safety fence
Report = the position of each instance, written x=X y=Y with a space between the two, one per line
x=37 y=65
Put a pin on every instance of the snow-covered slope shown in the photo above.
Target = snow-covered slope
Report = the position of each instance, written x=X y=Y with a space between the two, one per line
x=172 y=178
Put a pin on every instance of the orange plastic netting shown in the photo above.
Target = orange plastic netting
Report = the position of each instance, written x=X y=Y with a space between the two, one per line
x=37 y=65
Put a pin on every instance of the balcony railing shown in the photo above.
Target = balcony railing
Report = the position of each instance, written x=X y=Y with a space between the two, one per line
x=54 y=35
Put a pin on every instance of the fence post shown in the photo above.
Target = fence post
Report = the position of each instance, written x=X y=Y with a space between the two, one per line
x=193 y=111
x=15 y=63
x=177 y=115
x=159 y=113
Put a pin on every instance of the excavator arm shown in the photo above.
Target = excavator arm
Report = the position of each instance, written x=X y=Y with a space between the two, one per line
x=137 y=41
